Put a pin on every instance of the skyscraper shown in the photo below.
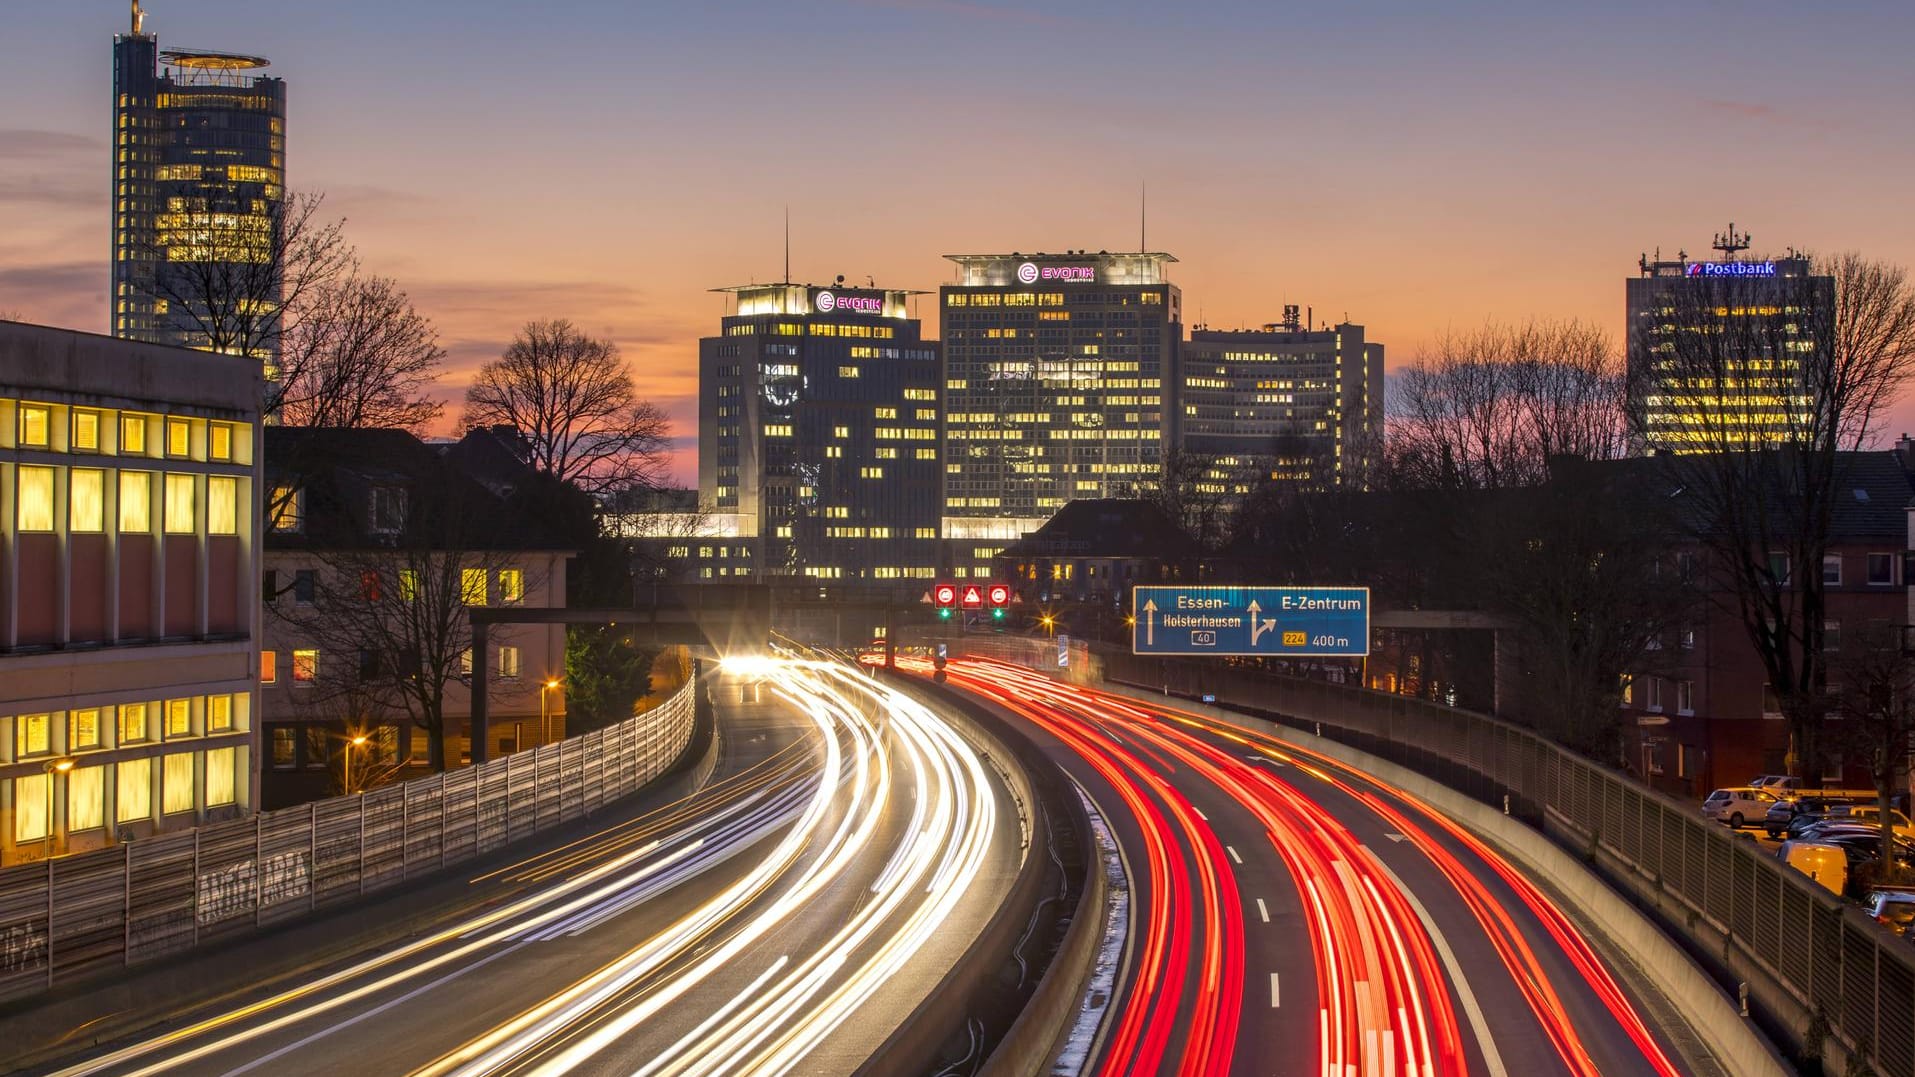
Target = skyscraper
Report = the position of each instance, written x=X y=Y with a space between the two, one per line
x=818 y=436
x=1060 y=379
x=1287 y=402
x=1718 y=351
x=199 y=166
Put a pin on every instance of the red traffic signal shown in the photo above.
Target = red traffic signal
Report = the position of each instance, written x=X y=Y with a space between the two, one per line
x=999 y=595
x=973 y=598
x=944 y=595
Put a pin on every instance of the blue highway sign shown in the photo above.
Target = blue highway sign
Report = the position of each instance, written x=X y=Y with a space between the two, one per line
x=1276 y=621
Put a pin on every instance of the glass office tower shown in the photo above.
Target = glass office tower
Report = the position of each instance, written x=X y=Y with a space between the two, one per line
x=199 y=167
x=818 y=451
x=1060 y=379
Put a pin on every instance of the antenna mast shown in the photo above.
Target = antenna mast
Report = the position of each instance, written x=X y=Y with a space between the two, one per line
x=787 y=244
x=139 y=19
x=1143 y=208
x=1731 y=243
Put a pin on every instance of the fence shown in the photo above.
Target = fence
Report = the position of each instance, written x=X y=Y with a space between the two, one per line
x=1820 y=953
x=68 y=918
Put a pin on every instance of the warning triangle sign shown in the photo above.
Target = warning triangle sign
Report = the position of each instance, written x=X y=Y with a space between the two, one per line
x=973 y=597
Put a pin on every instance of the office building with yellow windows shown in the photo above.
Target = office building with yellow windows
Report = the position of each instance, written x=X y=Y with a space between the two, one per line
x=199 y=172
x=1061 y=373
x=1286 y=403
x=129 y=558
x=818 y=451
x=1719 y=351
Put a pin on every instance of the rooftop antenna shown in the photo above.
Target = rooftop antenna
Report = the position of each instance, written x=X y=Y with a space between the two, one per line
x=139 y=19
x=1143 y=207
x=1730 y=243
x=787 y=243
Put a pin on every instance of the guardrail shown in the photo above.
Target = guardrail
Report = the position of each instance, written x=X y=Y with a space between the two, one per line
x=68 y=918
x=1732 y=901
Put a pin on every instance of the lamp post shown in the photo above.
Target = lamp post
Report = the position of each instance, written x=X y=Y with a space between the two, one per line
x=545 y=732
x=1049 y=623
x=351 y=743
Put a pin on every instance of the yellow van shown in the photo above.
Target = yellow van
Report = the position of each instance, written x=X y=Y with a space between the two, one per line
x=1826 y=864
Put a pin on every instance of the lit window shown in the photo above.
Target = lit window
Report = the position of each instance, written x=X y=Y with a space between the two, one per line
x=136 y=502
x=85 y=799
x=35 y=495
x=465 y=662
x=180 y=517
x=219 y=441
x=285 y=746
x=222 y=780
x=269 y=667
x=509 y=662
x=179 y=437
x=283 y=509
x=179 y=717
x=472 y=586
x=86 y=431
x=32 y=735
x=32 y=807
x=219 y=714
x=132 y=723
x=134 y=791
x=176 y=783
x=222 y=505
x=409 y=584
x=36 y=425
x=132 y=434
x=86 y=500
x=83 y=729
x=305 y=666
x=511 y=585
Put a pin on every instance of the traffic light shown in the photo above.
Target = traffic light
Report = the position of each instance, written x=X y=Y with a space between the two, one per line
x=997 y=614
x=944 y=614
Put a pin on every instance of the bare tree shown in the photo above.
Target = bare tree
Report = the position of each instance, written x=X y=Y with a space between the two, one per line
x=1774 y=381
x=235 y=282
x=573 y=399
x=360 y=355
x=1192 y=490
x=1492 y=407
x=1878 y=702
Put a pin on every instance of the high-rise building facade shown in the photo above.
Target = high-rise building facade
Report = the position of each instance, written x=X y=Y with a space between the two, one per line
x=1060 y=382
x=818 y=451
x=1285 y=403
x=1717 y=351
x=199 y=167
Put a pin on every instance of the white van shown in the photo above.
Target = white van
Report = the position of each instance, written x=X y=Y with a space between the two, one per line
x=1824 y=863
x=1738 y=806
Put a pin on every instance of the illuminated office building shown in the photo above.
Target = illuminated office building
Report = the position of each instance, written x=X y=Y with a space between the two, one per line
x=1286 y=402
x=199 y=172
x=817 y=437
x=1717 y=349
x=1060 y=378
x=129 y=576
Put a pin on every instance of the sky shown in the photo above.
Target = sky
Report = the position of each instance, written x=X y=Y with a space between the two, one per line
x=1412 y=166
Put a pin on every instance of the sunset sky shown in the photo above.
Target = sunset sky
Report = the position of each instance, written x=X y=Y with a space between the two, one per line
x=1410 y=165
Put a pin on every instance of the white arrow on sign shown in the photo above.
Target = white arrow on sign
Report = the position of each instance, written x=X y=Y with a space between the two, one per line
x=1150 y=621
x=1257 y=628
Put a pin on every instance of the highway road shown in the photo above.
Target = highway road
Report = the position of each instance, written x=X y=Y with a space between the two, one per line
x=1289 y=916
x=783 y=919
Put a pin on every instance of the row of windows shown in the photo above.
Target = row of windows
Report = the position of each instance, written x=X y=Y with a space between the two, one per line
x=59 y=428
x=38 y=501
x=306 y=664
x=472 y=586
x=132 y=783
x=85 y=729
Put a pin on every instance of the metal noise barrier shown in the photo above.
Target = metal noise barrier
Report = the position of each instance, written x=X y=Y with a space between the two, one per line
x=1820 y=953
x=68 y=918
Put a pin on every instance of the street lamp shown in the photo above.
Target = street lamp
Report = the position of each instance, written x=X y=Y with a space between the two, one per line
x=545 y=733
x=351 y=743
x=1049 y=623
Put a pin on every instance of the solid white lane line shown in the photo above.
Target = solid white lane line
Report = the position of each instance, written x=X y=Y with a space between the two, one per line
x=1263 y=910
x=1276 y=996
x=1492 y=1060
x=1232 y=850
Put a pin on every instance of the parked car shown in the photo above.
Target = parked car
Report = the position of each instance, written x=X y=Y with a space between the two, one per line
x=1871 y=814
x=1781 y=813
x=1737 y=806
x=1827 y=865
x=1778 y=784
x=1893 y=908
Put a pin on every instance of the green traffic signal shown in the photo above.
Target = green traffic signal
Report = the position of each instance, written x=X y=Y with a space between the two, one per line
x=944 y=615
x=997 y=615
